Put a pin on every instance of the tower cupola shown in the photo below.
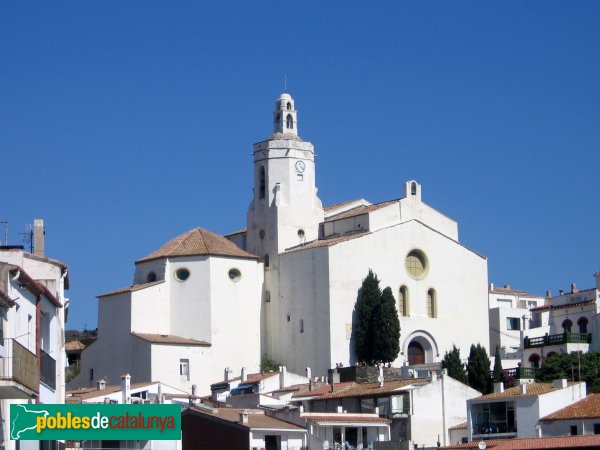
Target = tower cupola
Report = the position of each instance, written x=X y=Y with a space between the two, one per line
x=285 y=115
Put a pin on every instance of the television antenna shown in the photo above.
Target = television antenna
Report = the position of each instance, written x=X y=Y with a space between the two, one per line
x=28 y=236
x=5 y=224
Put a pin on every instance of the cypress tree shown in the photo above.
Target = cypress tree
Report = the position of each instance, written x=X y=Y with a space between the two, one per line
x=498 y=371
x=453 y=364
x=387 y=328
x=478 y=368
x=368 y=298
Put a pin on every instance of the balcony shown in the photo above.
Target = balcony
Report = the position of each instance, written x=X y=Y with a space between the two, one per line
x=48 y=370
x=521 y=373
x=18 y=372
x=558 y=339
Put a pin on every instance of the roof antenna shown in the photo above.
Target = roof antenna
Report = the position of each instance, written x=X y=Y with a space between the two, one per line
x=285 y=82
x=28 y=237
x=5 y=223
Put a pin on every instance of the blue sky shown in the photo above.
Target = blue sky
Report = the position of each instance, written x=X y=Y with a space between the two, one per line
x=124 y=124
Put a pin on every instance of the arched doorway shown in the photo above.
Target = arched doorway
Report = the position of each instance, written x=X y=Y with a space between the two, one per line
x=416 y=353
x=567 y=325
x=534 y=359
x=582 y=322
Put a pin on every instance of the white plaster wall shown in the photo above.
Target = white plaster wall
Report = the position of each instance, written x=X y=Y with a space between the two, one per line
x=563 y=427
x=384 y=217
x=18 y=326
x=150 y=312
x=165 y=366
x=342 y=226
x=458 y=276
x=304 y=278
x=412 y=208
x=559 y=398
x=144 y=268
x=499 y=332
x=289 y=441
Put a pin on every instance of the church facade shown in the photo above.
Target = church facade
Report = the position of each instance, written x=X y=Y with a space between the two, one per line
x=297 y=270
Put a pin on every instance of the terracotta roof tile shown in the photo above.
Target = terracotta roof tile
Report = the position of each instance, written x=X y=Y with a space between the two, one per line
x=74 y=346
x=256 y=419
x=459 y=426
x=533 y=389
x=373 y=389
x=341 y=204
x=132 y=288
x=250 y=378
x=170 y=339
x=587 y=408
x=198 y=241
x=565 y=306
x=240 y=231
x=92 y=392
x=322 y=390
x=585 y=441
x=502 y=290
x=344 y=417
x=326 y=242
x=359 y=210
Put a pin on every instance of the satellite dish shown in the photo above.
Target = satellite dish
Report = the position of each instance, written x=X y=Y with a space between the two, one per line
x=482 y=445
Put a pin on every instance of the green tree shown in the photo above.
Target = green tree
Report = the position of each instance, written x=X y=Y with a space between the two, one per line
x=576 y=366
x=454 y=365
x=478 y=368
x=498 y=374
x=268 y=365
x=387 y=328
x=368 y=298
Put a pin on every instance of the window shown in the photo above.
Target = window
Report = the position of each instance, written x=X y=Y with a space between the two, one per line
x=413 y=188
x=301 y=325
x=573 y=430
x=403 y=301
x=290 y=122
x=151 y=277
x=45 y=332
x=235 y=275
x=534 y=359
x=301 y=233
x=289 y=106
x=184 y=369
x=582 y=322
x=266 y=260
x=261 y=234
x=416 y=354
x=182 y=274
x=597 y=428
x=261 y=183
x=567 y=325
x=91 y=374
x=513 y=323
x=416 y=264
x=431 y=303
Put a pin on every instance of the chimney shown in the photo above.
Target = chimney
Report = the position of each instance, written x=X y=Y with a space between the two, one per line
x=194 y=389
x=308 y=373
x=548 y=294
x=560 y=383
x=38 y=237
x=507 y=286
x=491 y=286
x=380 y=378
x=433 y=375
x=523 y=388
x=125 y=388
x=574 y=289
x=561 y=292
x=498 y=387
x=243 y=375
x=282 y=377
x=100 y=384
x=226 y=373
x=310 y=380
x=244 y=417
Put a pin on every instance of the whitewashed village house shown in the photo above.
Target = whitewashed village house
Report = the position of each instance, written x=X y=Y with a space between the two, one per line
x=32 y=323
x=287 y=284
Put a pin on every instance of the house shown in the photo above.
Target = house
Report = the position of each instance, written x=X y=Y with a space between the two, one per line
x=510 y=317
x=206 y=428
x=32 y=323
x=582 y=417
x=564 y=324
x=570 y=442
x=420 y=410
x=515 y=412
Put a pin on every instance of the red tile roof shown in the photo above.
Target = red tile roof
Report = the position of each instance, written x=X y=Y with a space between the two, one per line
x=359 y=210
x=250 y=378
x=132 y=288
x=533 y=389
x=198 y=241
x=579 y=442
x=344 y=418
x=373 y=389
x=502 y=290
x=328 y=242
x=587 y=408
x=170 y=339
x=459 y=426
x=256 y=419
x=341 y=204
x=322 y=390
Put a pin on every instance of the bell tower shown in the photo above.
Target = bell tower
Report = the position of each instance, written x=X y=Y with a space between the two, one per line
x=285 y=116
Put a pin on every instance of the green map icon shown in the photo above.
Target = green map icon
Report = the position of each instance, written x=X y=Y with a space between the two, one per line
x=24 y=419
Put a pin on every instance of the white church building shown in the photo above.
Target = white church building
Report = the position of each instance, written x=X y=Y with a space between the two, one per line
x=287 y=284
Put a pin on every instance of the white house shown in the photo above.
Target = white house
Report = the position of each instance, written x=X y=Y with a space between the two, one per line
x=566 y=323
x=194 y=308
x=516 y=411
x=32 y=321
x=580 y=418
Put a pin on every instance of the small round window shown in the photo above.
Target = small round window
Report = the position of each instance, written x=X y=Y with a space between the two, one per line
x=182 y=274
x=301 y=233
x=416 y=264
x=235 y=275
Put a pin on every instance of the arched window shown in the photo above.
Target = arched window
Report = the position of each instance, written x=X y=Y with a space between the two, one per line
x=151 y=277
x=416 y=354
x=534 y=359
x=289 y=106
x=278 y=121
x=582 y=322
x=290 y=122
x=403 y=301
x=413 y=188
x=262 y=183
x=567 y=325
x=431 y=303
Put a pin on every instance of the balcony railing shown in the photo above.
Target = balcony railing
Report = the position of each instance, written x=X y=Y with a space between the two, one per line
x=19 y=365
x=558 y=339
x=521 y=373
x=48 y=370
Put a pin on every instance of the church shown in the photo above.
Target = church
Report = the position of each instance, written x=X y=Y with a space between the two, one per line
x=286 y=285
